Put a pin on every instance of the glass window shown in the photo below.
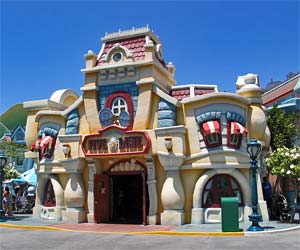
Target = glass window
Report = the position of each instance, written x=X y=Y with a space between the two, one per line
x=211 y=133
x=20 y=136
x=212 y=138
x=235 y=134
x=220 y=186
x=119 y=104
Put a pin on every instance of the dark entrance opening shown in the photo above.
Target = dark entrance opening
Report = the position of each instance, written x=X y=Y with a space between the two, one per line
x=126 y=199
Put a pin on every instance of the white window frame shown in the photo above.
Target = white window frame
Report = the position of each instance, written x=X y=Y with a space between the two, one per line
x=116 y=105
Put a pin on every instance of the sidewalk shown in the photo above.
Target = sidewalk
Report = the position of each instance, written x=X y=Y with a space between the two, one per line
x=27 y=221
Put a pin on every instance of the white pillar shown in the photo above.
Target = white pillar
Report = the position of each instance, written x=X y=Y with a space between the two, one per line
x=92 y=171
x=152 y=191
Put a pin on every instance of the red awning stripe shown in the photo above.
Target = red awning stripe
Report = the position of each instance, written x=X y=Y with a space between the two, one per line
x=211 y=127
x=237 y=128
x=46 y=141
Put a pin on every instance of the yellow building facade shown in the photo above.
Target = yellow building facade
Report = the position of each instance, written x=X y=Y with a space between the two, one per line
x=135 y=148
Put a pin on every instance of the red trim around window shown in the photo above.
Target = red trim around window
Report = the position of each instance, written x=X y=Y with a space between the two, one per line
x=128 y=100
x=208 y=128
x=237 y=129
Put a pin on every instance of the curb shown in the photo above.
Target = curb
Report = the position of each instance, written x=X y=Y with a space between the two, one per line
x=272 y=231
x=166 y=233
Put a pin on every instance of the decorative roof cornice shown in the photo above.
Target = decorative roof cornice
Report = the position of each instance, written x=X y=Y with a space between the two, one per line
x=121 y=34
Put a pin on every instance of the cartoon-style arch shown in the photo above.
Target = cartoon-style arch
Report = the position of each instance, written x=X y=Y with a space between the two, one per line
x=198 y=209
x=242 y=180
x=127 y=166
x=118 y=47
x=59 y=196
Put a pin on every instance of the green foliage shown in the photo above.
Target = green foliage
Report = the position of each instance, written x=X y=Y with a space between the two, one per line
x=12 y=151
x=9 y=172
x=285 y=162
x=283 y=128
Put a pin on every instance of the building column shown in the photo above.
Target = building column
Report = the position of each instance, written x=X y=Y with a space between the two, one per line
x=171 y=154
x=152 y=191
x=36 y=212
x=172 y=196
x=90 y=200
x=74 y=199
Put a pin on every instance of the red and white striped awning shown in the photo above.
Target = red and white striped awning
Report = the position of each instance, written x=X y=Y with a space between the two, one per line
x=211 y=127
x=237 y=128
x=46 y=141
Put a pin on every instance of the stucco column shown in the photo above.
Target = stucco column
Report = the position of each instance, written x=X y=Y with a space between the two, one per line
x=172 y=197
x=152 y=191
x=92 y=171
x=74 y=199
x=36 y=212
x=171 y=155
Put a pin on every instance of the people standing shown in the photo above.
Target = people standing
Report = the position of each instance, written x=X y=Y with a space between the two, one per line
x=267 y=193
x=7 y=201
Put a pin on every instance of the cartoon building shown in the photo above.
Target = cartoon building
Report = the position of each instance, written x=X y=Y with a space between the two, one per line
x=135 y=148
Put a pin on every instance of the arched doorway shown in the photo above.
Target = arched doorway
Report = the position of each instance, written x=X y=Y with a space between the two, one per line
x=121 y=195
x=203 y=210
x=221 y=185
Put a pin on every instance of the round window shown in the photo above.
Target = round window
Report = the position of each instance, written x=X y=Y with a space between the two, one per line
x=117 y=57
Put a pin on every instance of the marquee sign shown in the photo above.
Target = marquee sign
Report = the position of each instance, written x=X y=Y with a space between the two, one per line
x=114 y=140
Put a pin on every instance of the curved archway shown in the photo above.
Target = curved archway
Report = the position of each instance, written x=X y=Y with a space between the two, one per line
x=127 y=166
x=128 y=198
x=59 y=197
x=198 y=209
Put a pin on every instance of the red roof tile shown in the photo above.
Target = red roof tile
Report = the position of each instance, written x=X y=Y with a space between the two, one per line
x=280 y=91
x=200 y=91
x=135 y=45
x=179 y=94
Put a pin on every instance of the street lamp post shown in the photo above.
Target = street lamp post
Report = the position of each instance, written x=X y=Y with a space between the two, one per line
x=2 y=164
x=253 y=149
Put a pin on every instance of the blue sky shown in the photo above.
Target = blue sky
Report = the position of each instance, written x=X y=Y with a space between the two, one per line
x=209 y=42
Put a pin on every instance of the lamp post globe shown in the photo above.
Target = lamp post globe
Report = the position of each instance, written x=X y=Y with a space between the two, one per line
x=2 y=164
x=253 y=149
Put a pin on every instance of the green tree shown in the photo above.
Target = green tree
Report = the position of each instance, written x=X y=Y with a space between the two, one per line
x=284 y=161
x=12 y=151
x=283 y=128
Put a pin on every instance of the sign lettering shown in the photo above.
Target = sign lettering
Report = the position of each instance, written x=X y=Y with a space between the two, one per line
x=115 y=141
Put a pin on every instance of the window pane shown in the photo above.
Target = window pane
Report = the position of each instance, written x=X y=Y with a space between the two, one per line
x=222 y=182
x=212 y=138
x=119 y=104
x=209 y=185
x=220 y=186
x=208 y=199
x=233 y=184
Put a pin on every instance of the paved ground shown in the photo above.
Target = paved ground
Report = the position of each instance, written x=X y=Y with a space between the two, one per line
x=27 y=221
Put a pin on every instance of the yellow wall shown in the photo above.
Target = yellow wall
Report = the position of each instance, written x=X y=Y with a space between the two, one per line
x=189 y=178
